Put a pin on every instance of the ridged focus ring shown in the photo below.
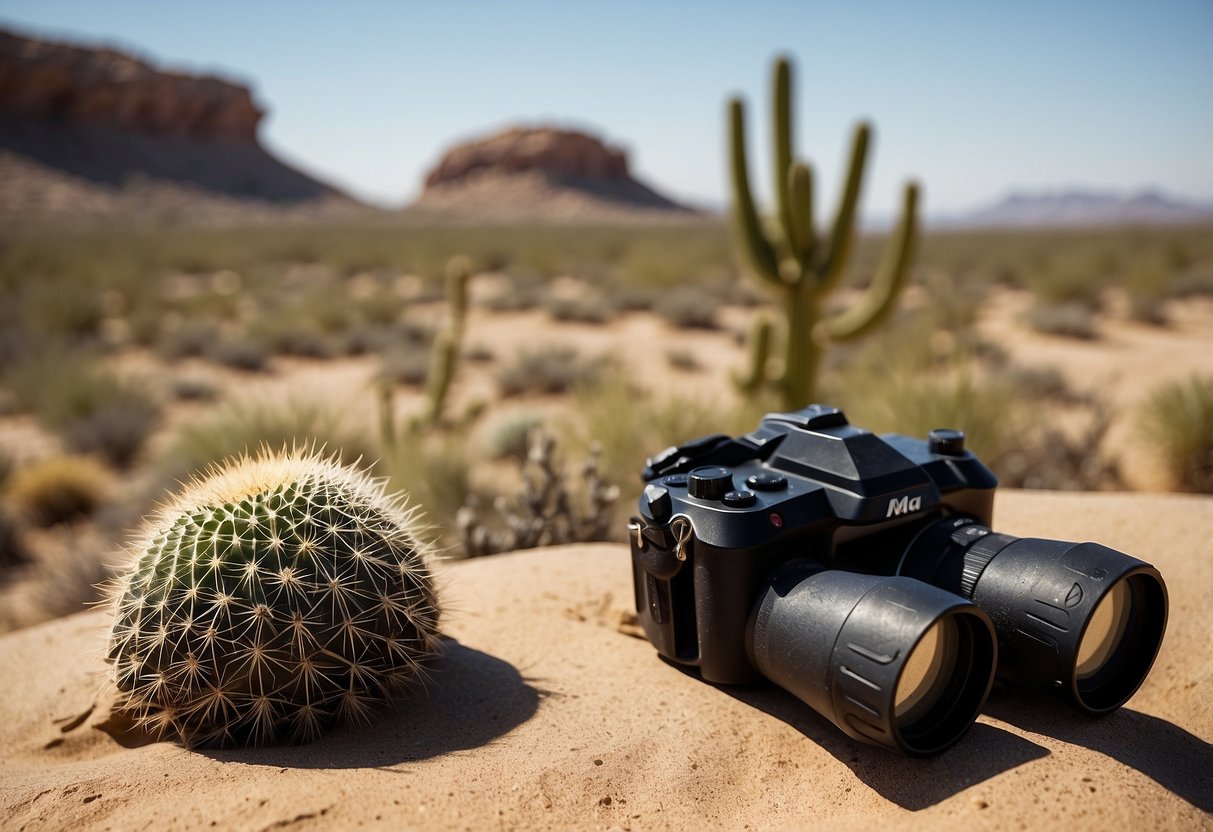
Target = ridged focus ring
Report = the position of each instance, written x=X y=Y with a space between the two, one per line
x=977 y=557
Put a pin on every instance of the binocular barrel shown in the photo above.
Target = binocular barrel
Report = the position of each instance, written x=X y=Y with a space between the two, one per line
x=1080 y=619
x=889 y=660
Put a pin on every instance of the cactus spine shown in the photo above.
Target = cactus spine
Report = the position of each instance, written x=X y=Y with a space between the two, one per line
x=444 y=354
x=803 y=267
x=269 y=600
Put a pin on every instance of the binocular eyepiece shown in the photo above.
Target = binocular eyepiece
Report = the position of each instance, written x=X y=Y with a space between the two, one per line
x=859 y=572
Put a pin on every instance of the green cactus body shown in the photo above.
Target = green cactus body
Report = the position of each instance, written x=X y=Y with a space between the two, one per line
x=444 y=355
x=802 y=268
x=270 y=600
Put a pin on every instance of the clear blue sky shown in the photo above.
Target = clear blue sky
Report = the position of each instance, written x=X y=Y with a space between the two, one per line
x=972 y=98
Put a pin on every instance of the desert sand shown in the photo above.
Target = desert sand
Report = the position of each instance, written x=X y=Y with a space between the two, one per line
x=545 y=713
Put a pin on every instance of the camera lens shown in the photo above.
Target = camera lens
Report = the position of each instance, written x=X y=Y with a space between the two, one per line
x=926 y=672
x=1104 y=632
x=1078 y=618
x=889 y=660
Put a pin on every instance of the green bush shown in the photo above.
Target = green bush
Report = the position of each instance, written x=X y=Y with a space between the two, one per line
x=1177 y=419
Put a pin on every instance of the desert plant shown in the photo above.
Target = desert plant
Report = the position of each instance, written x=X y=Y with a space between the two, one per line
x=444 y=352
x=94 y=410
x=436 y=470
x=510 y=436
x=269 y=600
x=240 y=353
x=58 y=489
x=243 y=428
x=581 y=309
x=1068 y=319
x=544 y=512
x=547 y=370
x=688 y=308
x=1178 y=420
x=12 y=545
x=803 y=269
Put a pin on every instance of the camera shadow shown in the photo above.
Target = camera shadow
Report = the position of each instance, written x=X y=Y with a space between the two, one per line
x=470 y=700
x=1180 y=762
x=912 y=783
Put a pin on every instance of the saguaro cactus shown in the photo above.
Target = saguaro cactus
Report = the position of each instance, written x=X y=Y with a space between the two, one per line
x=444 y=355
x=787 y=253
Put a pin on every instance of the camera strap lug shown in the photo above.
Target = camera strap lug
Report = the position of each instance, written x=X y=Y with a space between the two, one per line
x=683 y=532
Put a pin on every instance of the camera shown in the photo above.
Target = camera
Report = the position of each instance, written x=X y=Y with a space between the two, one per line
x=861 y=574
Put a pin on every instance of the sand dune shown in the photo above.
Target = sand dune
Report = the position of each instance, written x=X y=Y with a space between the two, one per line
x=544 y=714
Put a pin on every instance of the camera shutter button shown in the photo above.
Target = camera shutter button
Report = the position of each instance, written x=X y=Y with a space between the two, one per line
x=710 y=482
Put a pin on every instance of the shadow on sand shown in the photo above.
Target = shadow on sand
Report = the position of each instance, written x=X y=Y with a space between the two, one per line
x=1180 y=762
x=471 y=700
x=912 y=783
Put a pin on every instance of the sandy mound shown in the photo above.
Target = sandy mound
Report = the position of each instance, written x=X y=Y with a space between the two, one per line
x=544 y=714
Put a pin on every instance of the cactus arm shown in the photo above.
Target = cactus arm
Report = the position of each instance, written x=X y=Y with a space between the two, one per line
x=881 y=295
x=802 y=353
x=759 y=342
x=843 y=235
x=782 y=107
x=758 y=250
x=800 y=188
x=438 y=379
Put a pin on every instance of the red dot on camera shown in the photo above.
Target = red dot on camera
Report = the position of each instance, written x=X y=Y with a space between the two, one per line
x=776 y=520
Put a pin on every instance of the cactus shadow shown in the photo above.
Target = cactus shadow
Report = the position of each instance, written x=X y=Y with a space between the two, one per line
x=912 y=783
x=470 y=700
x=1180 y=762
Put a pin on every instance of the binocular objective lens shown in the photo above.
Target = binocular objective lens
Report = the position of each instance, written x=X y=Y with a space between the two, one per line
x=1105 y=631
x=927 y=670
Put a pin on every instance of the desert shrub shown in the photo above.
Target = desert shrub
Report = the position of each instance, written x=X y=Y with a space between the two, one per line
x=1074 y=276
x=189 y=340
x=287 y=336
x=405 y=365
x=94 y=410
x=58 y=489
x=689 y=308
x=53 y=308
x=1148 y=284
x=681 y=358
x=70 y=565
x=1069 y=320
x=1177 y=419
x=12 y=546
x=582 y=309
x=237 y=429
x=547 y=370
x=240 y=354
x=1042 y=382
x=479 y=353
x=194 y=389
x=435 y=473
x=631 y=424
x=522 y=292
x=510 y=436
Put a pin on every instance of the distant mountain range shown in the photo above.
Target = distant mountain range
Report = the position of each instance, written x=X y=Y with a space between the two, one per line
x=1078 y=208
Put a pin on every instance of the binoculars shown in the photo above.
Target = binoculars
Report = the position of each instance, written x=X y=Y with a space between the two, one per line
x=860 y=573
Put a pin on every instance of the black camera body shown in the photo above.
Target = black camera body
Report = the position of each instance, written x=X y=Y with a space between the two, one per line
x=851 y=568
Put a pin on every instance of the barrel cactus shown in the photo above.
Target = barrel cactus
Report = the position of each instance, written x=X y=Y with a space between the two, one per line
x=272 y=598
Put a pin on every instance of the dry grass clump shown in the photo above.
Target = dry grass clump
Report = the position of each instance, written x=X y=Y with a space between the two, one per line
x=94 y=410
x=237 y=429
x=58 y=489
x=1178 y=420
x=240 y=353
x=510 y=436
x=548 y=371
x=407 y=365
x=435 y=470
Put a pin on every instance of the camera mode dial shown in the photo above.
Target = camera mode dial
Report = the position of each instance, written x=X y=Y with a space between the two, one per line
x=710 y=482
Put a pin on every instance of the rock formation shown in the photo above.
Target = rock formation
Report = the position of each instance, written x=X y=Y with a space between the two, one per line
x=538 y=172
x=110 y=119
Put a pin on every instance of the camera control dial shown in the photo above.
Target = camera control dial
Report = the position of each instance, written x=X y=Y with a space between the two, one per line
x=710 y=482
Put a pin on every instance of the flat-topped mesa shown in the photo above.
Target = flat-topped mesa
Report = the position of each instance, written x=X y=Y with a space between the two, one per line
x=55 y=82
x=560 y=154
x=540 y=172
x=84 y=127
